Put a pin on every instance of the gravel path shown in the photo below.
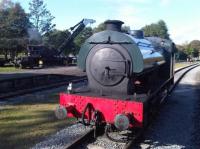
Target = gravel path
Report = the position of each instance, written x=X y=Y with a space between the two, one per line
x=174 y=127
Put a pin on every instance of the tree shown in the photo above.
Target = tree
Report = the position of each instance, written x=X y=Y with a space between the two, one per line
x=195 y=53
x=4 y=4
x=180 y=55
x=195 y=44
x=99 y=28
x=126 y=29
x=158 y=29
x=162 y=30
x=189 y=51
x=85 y=34
x=13 y=28
x=55 y=38
x=40 y=16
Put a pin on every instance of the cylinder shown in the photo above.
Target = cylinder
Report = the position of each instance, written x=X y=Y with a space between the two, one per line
x=114 y=25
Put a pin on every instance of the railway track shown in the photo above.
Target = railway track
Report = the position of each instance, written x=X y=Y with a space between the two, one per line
x=85 y=137
x=14 y=89
x=88 y=136
x=186 y=69
x=19 y=86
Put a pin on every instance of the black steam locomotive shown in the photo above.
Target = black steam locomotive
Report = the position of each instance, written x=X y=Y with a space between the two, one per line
x=123 y=64
x=123 y=71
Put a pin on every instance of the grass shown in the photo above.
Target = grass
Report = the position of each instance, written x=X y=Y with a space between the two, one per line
x=182 y=64
x=9 y=69
x=23 y=125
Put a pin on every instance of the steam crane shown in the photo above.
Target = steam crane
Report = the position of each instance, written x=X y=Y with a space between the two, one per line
x=39 y=55
x=76 y=29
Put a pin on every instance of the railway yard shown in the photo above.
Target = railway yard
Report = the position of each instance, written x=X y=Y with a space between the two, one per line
x=28 y=121
x=122 y=83
x=113 y=81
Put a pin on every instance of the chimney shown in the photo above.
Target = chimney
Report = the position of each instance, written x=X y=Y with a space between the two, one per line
x=113 y=25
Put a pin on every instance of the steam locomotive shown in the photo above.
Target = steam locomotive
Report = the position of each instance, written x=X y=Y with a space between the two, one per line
x=124 y=70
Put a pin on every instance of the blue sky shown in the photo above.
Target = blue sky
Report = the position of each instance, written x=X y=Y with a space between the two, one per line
x=182 y=16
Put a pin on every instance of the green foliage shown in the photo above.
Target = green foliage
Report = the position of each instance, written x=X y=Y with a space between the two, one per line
x=40 y=16
x=195 y=53
x=180 y=55
x=191 y=50
x=5 y=4
x=195 y=44
x=14 y=22
x=99 y=28
x=81 y=38
x=158 y=29
x=85 y=34
x=55 y=38
x=13 y=28
x=126 y=29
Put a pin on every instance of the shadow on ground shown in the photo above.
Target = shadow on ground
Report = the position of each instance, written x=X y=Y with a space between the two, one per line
x=178 y=123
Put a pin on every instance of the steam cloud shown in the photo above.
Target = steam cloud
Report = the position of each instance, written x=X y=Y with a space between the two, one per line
x=34 y=34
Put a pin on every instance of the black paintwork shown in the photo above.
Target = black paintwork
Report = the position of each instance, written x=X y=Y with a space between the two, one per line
x=108 y=67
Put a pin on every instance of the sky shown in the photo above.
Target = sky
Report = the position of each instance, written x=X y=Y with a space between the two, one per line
x=181 y=16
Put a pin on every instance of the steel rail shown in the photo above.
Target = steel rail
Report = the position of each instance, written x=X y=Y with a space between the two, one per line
x=179 y=69
x=41 y=88
x=179 y=79
x=85 y=137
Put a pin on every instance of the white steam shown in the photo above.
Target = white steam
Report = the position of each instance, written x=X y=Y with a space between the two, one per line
x=34 y=35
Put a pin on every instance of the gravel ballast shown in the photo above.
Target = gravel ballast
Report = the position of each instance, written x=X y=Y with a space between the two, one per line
x=174 y=126
x=63 y=137
x=103 y=142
